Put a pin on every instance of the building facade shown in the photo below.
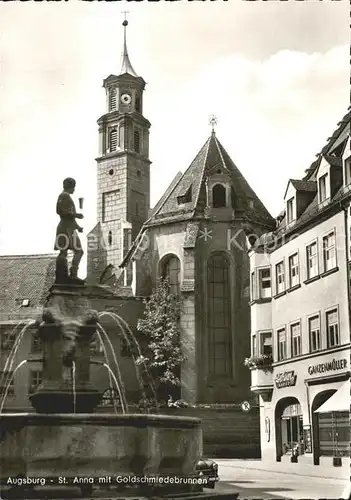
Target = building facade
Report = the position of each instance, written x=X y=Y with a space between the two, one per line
x=195 y=235
x=300 y=314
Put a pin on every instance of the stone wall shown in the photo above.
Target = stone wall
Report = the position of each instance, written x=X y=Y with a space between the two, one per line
x=228 y=432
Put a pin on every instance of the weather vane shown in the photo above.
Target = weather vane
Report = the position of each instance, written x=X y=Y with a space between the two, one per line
x=213 y=122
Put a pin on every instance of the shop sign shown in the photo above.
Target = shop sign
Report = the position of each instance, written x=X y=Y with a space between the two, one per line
x=328 y=366
x=285 y=379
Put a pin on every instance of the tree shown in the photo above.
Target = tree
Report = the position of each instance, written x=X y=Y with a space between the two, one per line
x=160 y=326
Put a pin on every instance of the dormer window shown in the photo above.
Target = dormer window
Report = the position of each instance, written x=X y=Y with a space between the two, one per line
x=186 y=197
x=322 y=188
x=290 y=210
x=112 y=99
x=219 y=196
x=112 y=139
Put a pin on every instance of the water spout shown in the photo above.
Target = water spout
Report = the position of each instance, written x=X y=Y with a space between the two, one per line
x=74 y=386
x=113 y=377
x=11 y=357
x=123 y=325
x=120 y=386
x=9 y=383
x=117 y=385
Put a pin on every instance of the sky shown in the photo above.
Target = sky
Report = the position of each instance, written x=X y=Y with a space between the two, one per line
x=276 y=75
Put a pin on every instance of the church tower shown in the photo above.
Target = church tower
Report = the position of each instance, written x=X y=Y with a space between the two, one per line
x=123 y=165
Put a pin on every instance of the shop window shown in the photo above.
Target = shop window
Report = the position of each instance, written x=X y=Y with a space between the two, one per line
x=265 y=283
x=329 y=252
x=314 y=332
x=312 y=260
x=280 y=277
x=219 y=196
x=293 y=270
x=219 y=316
x=171 y=271
x=295 y=331
x=292 y=436
x=332 y=328
x=281 y=334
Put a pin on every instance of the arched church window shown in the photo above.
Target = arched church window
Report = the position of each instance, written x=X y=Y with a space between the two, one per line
x=171 y=270
x=109 y=238
x=219 y=316
x=218 y=196
x=112 y=103
x=112 y=139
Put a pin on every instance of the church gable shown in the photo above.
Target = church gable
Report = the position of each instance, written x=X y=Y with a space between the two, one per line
x=212 y=179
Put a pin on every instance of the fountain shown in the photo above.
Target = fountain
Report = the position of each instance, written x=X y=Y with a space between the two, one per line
x=65 y=445
x=64 y=438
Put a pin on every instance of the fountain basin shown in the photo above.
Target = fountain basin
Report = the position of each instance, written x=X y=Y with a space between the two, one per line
x=96 y=445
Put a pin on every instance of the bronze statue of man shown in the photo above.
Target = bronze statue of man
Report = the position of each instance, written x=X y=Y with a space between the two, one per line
x=67 y=235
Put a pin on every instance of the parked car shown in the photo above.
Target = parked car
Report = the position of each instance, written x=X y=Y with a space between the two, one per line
x=208 y=469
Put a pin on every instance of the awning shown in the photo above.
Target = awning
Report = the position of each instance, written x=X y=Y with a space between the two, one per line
x=339 y=401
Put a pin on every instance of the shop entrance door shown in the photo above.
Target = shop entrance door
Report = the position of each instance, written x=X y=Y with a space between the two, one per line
x=292 y=430
x=292 y=434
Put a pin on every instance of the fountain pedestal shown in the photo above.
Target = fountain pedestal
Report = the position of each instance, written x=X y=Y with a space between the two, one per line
x=66 y=331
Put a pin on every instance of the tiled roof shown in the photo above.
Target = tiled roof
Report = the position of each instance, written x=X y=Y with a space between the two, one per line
x=335 y=145
x=24 y=277
x=310 y=186
x=333 y=160
x=339 y=134
x=212 y=154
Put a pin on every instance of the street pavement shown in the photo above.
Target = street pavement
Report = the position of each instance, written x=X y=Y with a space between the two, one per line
x=254 y=483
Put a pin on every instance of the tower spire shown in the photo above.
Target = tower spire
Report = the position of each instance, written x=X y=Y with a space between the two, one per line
x=126 y=64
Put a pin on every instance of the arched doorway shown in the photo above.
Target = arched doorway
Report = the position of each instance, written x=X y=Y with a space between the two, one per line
x=289 y=427
x=317 y=429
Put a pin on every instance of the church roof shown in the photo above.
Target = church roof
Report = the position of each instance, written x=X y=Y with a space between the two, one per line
x=183 y=199
x=25 y=281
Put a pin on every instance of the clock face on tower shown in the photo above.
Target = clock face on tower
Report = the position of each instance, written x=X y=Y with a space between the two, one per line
x=126 y=99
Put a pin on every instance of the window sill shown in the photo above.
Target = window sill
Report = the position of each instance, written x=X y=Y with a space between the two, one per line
x=260 y=301
x=279 y=295
x=331 y=271
x=295 y=287
x=311 y=280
